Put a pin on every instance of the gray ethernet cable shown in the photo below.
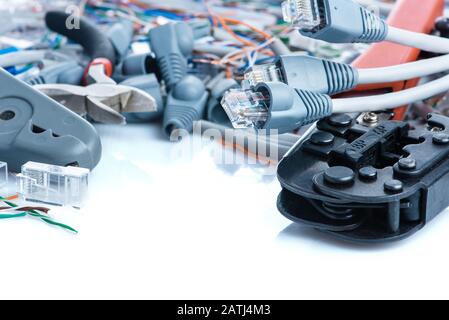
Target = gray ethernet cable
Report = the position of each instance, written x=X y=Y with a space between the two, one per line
x=323 y=76
x=345 y=21
x=307 y=73
x=276 y=106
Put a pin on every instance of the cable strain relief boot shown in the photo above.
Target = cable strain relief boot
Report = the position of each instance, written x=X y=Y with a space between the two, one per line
x=317 y=105
x=341 y=77
x=337 y=21
x=290 y=109
x=138 y=64
x=375 y=29
x=172 y=44
x=186 y=104
x=305 y=73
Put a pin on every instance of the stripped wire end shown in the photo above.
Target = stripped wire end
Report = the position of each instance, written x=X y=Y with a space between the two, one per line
x=302 y=14
x=263 y=73
x=246 y=108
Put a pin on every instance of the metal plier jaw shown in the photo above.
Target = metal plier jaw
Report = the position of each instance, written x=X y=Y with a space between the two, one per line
x=103 y=103
x=104 y=100
x=34 y=127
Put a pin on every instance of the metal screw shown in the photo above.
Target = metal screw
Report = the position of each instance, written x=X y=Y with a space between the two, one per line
x=370 y=117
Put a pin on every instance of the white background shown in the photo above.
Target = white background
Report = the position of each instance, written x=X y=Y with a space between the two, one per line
x=160 y=228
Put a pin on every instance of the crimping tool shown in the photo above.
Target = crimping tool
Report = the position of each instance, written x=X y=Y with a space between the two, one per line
x=367 y=184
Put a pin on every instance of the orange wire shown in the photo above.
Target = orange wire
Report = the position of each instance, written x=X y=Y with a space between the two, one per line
x=232 y=33
x=257 y=30
x=246 y=151
x=12 y=197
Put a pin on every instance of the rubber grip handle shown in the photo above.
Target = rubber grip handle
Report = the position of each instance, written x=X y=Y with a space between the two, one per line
x=95 y=43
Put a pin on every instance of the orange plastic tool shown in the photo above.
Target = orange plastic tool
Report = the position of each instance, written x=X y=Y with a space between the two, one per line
x=413 y=15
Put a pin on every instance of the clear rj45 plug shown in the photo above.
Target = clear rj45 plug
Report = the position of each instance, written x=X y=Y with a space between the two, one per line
x=64 y=186
x=263 y=73
x=246 y=108
x=303 y=14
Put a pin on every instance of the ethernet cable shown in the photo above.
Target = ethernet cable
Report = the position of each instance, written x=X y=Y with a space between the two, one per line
x=276 y=106
x=22 y=58
x=392 y=100
x=345 y=21
x=383 y=7
x=329 y=77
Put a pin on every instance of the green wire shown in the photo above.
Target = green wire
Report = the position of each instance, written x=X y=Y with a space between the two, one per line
x=34 y=214
x=11 y=216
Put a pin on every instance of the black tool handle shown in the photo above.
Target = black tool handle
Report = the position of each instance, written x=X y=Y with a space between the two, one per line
x=95 y=43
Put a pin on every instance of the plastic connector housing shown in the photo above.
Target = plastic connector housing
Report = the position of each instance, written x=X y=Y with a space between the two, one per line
x=215 y=112
x=246 y=108
x=63 y=186
x=340 y=21
x=306 y=73
x=302 y=13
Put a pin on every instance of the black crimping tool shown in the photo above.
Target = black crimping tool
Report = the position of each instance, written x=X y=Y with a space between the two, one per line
x=367 y=184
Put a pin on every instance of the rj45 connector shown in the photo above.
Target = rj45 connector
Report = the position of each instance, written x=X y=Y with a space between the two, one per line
x=64 y=186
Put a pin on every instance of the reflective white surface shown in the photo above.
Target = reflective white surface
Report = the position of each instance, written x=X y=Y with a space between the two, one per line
x=159 y=226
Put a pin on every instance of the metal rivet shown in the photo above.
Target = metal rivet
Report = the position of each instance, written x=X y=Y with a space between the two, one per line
x=394 y=186
x=339 y=175
x=407 y=163
x=322 y=138
x=441 y=138
x=368 y=173
x=340 y=120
